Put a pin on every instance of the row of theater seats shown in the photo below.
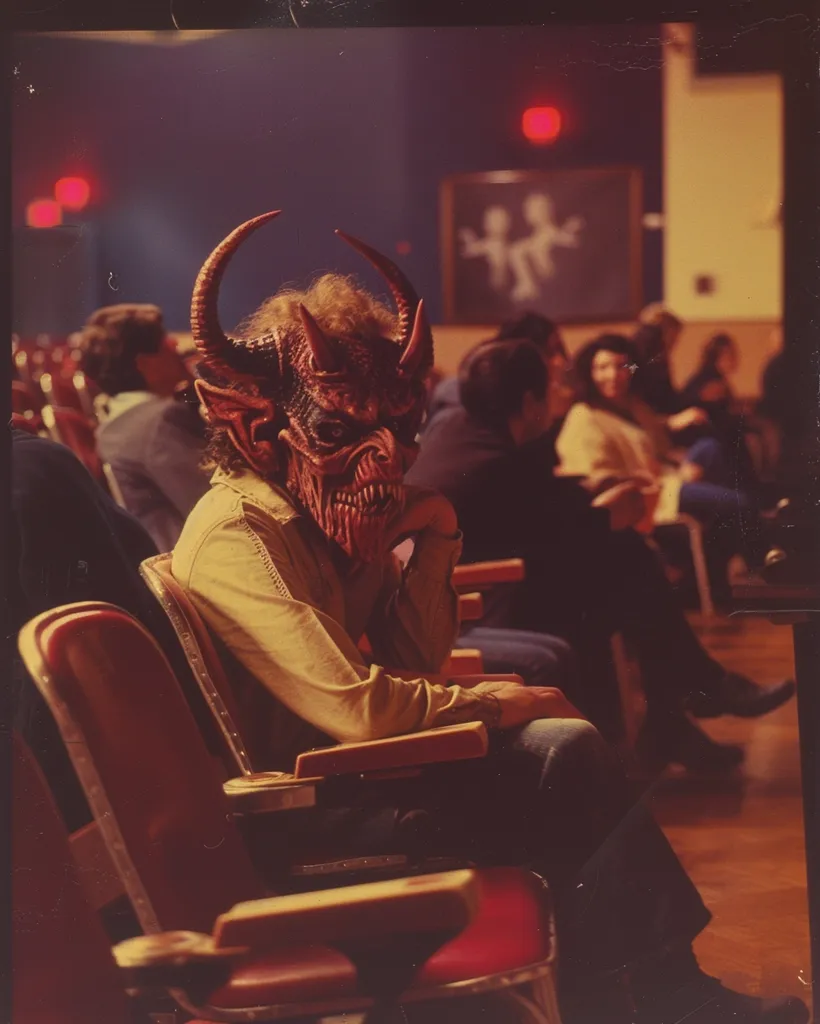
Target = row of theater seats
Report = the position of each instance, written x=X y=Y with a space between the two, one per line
x=51 y=394
x=199 y=849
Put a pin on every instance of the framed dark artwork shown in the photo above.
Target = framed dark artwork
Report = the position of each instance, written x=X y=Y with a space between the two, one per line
x=563 y=243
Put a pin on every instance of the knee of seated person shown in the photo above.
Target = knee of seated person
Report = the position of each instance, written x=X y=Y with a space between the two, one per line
x=562 y=739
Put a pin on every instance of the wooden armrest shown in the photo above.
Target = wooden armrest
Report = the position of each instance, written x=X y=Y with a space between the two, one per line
x=464 y=661
x=485 y=574
x=449 y=743
x=470 y=607
x=265 y=792
x=180 y=960
x=401 y=906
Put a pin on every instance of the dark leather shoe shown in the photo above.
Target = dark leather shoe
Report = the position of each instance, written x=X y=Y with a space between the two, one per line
x=736 y=695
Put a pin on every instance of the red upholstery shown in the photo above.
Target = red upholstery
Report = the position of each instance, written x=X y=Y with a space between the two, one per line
x=63 y=968
x=125 y=711
x=60 y=391
x=76 y=432
x=119 y=707
x=31 y=424
x=25 y=398
x=512 y=929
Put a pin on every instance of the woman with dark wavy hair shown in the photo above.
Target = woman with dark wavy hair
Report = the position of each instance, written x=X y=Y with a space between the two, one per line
x=611 y=435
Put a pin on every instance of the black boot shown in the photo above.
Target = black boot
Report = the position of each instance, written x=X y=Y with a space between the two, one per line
x=736 y=695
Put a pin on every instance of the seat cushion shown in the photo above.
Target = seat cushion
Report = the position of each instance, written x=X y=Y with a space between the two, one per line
x=512 y=930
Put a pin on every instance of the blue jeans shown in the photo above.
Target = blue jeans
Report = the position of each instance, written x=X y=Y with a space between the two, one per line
x=541 y=659
x=730 y=512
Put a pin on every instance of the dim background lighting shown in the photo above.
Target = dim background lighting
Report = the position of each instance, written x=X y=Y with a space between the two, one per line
x=72 y=193
x=541 y=124
x=44 y=213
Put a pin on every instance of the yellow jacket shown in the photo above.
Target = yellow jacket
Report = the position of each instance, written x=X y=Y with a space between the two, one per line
x=262 y=577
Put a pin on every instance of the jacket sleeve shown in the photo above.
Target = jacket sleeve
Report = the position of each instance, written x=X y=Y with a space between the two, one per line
x=585 y=449
x=415 y=620
x=250 y=593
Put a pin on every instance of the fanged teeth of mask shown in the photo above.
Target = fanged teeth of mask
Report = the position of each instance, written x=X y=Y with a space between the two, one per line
x=370 y=498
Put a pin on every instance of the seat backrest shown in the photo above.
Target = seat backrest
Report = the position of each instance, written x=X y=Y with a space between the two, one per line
x=30 y=422
x=63 y=969
x=202 y=656
x=60 y=392
x=73 y=429
x=24 y=398
x=153 y=788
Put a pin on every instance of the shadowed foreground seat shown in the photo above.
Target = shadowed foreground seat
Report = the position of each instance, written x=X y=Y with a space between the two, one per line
x=158 y=801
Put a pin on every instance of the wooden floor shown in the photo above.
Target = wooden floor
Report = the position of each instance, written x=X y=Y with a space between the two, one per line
x=742 y=839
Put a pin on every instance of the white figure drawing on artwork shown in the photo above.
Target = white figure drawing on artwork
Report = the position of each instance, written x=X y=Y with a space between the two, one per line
x=528 y=260
x=494 y=246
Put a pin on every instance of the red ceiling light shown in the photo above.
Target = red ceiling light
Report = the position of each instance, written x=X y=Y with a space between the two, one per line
x=541 y=125
x=72 y=193
x=44 y=213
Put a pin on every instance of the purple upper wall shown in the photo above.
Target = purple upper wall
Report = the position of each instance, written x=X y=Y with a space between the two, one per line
x=347 y=128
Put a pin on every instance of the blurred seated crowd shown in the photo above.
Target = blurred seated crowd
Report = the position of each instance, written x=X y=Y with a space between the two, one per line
x=331 y=604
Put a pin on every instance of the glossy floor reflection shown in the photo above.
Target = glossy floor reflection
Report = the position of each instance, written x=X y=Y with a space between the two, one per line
x=742 y=839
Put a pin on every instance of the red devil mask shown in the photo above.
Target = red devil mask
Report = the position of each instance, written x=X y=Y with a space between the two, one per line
x=332 y=416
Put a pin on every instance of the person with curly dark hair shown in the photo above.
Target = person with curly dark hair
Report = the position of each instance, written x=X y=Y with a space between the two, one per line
x=611 y=434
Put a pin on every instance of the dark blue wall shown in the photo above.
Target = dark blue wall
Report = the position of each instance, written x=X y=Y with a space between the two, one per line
x=348 y=128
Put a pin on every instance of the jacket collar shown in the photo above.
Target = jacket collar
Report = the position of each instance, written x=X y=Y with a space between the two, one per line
x=250 y=485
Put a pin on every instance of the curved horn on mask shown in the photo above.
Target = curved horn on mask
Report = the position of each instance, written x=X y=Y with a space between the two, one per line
x=209 y=337
x=323 y=358
x=416 y=338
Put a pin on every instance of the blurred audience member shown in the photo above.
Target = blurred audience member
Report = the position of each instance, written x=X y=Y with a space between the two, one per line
x=152 y=441
x=546 y=337
x=710 y=386
x=612 y=435
x=657 y=335
x=587 y=572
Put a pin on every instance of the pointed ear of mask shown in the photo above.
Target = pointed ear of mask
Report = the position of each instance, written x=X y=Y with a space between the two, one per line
x=243 y=416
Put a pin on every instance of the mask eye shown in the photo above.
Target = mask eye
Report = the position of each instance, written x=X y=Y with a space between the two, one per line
x=333 y=432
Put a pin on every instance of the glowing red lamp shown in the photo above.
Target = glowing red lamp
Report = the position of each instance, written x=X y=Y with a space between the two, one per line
x=44 y=213
x=541 y=125
x=72 y=193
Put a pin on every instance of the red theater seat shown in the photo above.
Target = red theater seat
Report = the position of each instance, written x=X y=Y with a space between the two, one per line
x=75 y=431
x=165 y=817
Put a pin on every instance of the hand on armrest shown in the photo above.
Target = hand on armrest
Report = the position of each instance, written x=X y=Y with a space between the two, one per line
x=449 y=743
x=485 y=574
x=420 y=904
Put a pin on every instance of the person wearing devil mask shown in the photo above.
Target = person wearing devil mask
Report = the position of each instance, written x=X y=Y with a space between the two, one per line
x=313 y=417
